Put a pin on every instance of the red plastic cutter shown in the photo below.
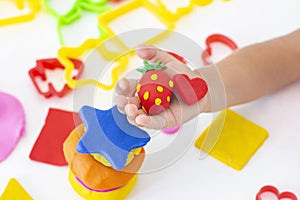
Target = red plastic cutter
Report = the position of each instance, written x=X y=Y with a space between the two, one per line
x=51 y=64
x=214 y=38
x=273 y=190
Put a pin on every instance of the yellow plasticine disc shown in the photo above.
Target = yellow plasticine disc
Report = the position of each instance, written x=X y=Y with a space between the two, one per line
x=87 y=194
x=131 y=155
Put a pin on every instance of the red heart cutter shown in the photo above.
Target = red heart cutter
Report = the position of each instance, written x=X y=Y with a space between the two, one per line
x=273 y=190
x=52 y=64
x=213 y=39
x=189 y=90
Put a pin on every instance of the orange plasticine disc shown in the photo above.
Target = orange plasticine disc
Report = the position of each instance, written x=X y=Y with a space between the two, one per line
x=91 y=172
x=85 y=193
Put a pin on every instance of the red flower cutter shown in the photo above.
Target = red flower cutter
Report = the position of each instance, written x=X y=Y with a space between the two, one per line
x=275 y=193
x=52 y=64
x=214 y=38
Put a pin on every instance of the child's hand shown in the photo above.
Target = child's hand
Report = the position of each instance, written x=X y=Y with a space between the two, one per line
x=177 y=113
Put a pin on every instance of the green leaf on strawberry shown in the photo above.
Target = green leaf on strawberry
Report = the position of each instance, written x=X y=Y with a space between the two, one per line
x=148 y=67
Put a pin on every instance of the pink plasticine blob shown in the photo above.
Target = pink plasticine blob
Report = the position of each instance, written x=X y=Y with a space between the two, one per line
x=171 y=130
x=12 y=123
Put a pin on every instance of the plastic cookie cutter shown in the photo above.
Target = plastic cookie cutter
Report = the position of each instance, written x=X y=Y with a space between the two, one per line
x=40 y=71
x=274 y=194
x=116 y=1
x=202 y=2
x=216 y=38
x=178 y=57
x=75 y=13
x=179 y=12
x=106 y=18
x=34 y=7
x=19 y=3
x=65 y=53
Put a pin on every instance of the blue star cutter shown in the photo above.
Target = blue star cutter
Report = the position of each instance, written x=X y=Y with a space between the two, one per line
x=109 y=133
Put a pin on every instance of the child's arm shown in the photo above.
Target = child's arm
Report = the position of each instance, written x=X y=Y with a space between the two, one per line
x=247 y=74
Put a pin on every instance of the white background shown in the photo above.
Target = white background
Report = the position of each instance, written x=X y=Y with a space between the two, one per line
x=277 y=162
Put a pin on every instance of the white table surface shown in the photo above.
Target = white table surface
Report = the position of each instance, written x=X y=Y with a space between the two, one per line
x=277 y=162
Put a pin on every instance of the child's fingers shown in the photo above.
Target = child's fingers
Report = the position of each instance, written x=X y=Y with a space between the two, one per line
x=131 y=111
x=121 y=101
x=126 y=87
x=153 y=54
x=146 y=121
x=164 y=120
x=152 y=122
x=137 y=117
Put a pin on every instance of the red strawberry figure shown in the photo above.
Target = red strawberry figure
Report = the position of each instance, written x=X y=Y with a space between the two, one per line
x=154 y=88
